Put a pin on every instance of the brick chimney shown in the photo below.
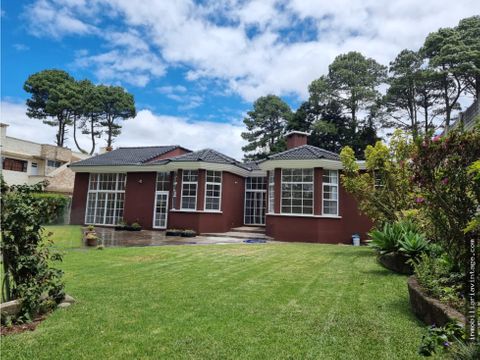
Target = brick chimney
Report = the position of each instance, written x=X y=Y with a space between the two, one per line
x=296 y=139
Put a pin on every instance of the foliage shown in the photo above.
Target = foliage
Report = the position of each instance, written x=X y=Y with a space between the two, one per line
x=53 y=206
x=265 y=127
x=27 y=258
x=441 y=338
x=60 y=100
x=136 y=225
x=383 y=189
x=462 y=351
x=116 y=104
x=449 y=192
x=411 y=91
x=438 y=276
x=51 y=92
x=402 y=236
x=353 y=80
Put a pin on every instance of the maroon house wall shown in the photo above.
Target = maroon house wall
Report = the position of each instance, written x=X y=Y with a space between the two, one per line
x=140 y=198
x=79 y=199
x=231 y=215
x=318 y=229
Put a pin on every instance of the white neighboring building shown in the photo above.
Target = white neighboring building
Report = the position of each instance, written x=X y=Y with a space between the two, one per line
x=28 y=162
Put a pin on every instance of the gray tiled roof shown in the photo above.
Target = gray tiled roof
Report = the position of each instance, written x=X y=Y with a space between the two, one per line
x=253 y=165
x=305 y=152
x=206 y=155
x=127 y=156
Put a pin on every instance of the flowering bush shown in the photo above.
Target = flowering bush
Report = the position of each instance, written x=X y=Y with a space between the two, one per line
x=383 y=189
x=449 y=190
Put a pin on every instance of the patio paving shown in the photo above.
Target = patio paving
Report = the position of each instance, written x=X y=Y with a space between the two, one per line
x=111 y=237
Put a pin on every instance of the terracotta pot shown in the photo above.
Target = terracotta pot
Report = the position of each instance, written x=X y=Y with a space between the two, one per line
x=91 y=241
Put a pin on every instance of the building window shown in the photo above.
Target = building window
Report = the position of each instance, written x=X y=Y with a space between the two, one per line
x=213 y=190
x=271 y=192
x=174 y=191
x=330 y=192
x=14 y=165
x=255 y=200
x=189 y=189
x=106 y=195
x=297 y=191
x=54 y=163
x=163 y=181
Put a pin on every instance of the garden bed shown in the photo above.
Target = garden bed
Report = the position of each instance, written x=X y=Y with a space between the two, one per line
x=396 y=262
x=431 y=311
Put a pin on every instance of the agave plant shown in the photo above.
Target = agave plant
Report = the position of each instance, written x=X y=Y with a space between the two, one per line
x=387 y=239
x=413 y=244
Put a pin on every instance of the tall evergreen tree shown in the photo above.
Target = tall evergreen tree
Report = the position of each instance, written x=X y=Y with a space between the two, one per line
x=51 y=99
x=265 y=127
x=116 y=104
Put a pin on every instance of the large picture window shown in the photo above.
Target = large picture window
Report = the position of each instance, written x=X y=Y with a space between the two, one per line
x=189 y=189
x=330 y=192
x=106 y=195
x=213 y=190
x=297 y=191
x=271 y=192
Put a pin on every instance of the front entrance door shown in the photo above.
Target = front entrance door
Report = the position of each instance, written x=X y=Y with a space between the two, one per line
x=255 y=200
x=160 y=210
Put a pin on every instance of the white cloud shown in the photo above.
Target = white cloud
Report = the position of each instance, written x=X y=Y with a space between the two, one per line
x=145 y=129
x=20 y=47
x=215 y=41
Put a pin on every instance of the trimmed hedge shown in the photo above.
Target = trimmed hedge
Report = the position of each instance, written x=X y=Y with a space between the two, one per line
x=54 y=206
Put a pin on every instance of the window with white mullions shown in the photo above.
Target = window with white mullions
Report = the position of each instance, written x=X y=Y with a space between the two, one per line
x=105 y=199
x=213 y=190
x=255 y=200
x=271 y=192
x=161 y=200
x=297 y=191
x=189 y=189
x=330 y=192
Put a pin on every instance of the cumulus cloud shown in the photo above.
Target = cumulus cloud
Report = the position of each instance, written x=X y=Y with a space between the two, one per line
x=247 y=44
x=145 y=129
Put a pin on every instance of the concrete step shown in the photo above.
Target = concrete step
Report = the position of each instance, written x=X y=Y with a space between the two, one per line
x=239 y=235
x=250 y=229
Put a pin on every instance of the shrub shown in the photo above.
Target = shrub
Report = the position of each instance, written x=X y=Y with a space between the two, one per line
x=401 y=236
x=449 y=190
x=441 y=338
x=383 y=190
x=27 y=257
x=53 y=207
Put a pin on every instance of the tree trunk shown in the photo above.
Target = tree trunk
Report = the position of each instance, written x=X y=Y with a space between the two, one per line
x=75 y=135
x=92 y=133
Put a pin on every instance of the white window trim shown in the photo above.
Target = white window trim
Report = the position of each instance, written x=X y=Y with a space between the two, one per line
x=162 y=192
x=271 y=195
x=338 y=194
x=174 y=190
x=264 y=191
x=213 y=197
x=97 y=191
x=196 y=192
x=302 y=182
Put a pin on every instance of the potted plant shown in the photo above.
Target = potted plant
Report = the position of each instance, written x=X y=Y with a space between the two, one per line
x=135 y=227
x=189 y=233
x=91 y=239
x=122 y=224
x=90 y=230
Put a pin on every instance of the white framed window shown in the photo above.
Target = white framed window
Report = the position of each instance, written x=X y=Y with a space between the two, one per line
x=163 y=181
x=271 y=192
x=174 y=190
x=297 y=191
x=330 y=192
x=105 y=199
x=189 y=189
x=213 y=190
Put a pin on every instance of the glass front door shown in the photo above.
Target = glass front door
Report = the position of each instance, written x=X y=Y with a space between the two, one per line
x=161 y=210
x=255 y=200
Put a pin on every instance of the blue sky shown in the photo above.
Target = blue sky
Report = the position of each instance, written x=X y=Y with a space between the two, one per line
x=196 y=67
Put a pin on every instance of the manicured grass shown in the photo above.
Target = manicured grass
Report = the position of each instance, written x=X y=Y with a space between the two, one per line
x=275 y=301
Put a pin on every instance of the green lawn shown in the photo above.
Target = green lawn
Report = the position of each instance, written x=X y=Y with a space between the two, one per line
x=275 y=301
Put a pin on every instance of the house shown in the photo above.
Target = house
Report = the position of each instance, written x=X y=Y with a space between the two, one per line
x=468 y=117
x=295 y=194
x=28 y=162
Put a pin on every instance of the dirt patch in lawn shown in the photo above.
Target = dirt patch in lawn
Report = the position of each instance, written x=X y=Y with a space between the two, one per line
x=20 y=328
